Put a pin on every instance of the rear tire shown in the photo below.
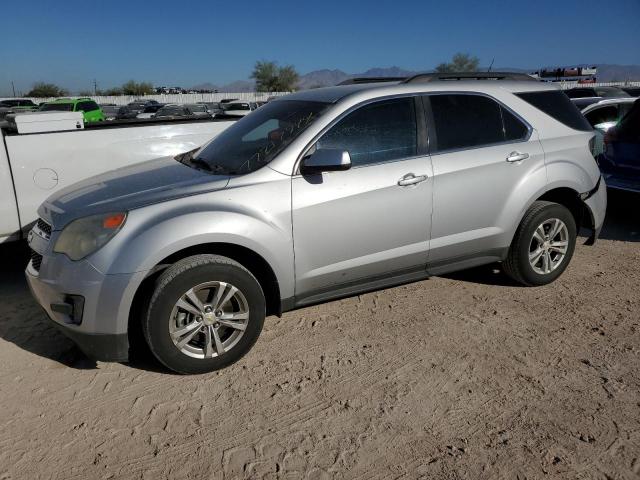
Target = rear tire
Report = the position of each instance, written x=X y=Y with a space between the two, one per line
x=542 y=246
x=206 y=312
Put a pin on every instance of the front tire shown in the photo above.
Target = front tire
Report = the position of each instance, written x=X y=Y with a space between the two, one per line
x=543 y=245
x=205 y=313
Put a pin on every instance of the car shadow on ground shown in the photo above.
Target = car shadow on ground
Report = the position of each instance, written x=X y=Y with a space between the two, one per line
x=622 y=223
x=24 y=323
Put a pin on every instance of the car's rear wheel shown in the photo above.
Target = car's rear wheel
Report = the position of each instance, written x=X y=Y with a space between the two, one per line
x=543 y=244
x=206 y=312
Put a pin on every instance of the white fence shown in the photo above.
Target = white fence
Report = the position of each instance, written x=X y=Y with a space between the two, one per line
x=566 y=85
x=253 y=96
x=176 y=98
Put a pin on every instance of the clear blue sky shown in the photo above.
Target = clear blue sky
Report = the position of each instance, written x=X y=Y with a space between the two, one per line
x=71 y=42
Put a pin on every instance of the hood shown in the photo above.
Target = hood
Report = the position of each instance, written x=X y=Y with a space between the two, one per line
x=128 y=188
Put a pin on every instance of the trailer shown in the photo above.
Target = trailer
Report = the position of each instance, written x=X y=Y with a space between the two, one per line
x=43 y=152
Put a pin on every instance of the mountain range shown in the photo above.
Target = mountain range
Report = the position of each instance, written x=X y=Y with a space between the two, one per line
x=326 y=77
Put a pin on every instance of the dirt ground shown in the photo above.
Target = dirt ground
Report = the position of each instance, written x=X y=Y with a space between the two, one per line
x=464 y=376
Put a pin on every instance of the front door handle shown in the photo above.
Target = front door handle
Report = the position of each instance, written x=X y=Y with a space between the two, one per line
x=411 y=179
x=517 y=156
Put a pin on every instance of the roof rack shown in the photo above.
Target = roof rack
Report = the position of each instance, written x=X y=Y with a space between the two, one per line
x=357 y=80
x=433 y=77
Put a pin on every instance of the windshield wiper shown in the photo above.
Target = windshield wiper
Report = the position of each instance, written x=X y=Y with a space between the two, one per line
x=197 y=163
x=200 y=164
x=213 y=168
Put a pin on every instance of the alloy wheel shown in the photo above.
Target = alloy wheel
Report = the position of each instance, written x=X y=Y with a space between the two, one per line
x=548 y=246
x=209 y=319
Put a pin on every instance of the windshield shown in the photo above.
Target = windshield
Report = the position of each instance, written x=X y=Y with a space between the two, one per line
x=255 y=140
x=59 y=107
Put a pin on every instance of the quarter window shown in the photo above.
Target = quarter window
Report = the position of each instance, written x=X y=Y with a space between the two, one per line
x=557 y=105
x=468 y=121
x=375 y=133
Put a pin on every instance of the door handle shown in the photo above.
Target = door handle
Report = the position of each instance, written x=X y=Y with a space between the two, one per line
x=517 y=156
x=411 y=179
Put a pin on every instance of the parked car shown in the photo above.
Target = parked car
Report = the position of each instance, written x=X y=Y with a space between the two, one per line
x=317 y=195
x=150 y=110
x=172 y=110
x=13 y=105
x=633 y=91
x=198 y=109
x=110 y=111
x=214 y=108
x=585 y=96
x=239 y=108
x=18 y=104
x=605 y=114
x=620 y=161
x=90 y=109
x=139 y=105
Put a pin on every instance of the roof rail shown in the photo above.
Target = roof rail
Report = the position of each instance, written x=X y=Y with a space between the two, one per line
x=433 y=77
x=357 y=80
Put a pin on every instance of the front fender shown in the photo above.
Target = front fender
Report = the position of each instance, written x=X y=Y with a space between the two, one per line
x=153 y=233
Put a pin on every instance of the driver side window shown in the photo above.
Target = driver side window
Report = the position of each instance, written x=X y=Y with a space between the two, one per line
x=379 y=132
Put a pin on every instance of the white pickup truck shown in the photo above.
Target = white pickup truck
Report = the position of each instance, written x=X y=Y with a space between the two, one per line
x=44 y=152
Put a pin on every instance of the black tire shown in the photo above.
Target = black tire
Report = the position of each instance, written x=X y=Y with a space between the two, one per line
x=178 y=279
x=517 y=264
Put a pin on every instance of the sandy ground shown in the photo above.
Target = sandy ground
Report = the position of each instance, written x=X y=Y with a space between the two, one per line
x=466 y=376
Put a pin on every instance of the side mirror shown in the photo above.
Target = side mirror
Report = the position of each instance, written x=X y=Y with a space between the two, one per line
x=326 y=160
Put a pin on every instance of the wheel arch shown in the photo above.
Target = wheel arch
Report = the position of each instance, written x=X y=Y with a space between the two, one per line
x=570 y=199
x=565 y=196
x=248 y=258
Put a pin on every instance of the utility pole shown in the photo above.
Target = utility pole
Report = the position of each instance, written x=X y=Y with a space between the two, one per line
x=13 y=87
x=95 y=87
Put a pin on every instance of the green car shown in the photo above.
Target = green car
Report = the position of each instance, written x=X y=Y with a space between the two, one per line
x=90 y=109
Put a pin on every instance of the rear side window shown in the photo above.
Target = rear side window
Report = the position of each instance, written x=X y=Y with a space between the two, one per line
x=375 y=133
x=602 y=115
x=469 y=121
x=557 y=105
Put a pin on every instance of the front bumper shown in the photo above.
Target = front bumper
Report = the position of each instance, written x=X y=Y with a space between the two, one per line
x=101 y=329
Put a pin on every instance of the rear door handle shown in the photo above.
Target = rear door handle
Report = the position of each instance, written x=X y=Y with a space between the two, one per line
x=411 y=179
x=517 y=156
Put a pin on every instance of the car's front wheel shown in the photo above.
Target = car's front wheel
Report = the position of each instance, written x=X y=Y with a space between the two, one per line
x=205 y=313
x=543 y=244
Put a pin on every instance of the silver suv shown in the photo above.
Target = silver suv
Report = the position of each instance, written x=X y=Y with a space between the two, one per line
x=321 y=194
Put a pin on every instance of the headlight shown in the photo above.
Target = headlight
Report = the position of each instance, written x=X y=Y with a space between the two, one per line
x=86 y=235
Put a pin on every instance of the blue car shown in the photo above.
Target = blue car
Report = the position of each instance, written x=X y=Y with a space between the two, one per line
x=620 y=160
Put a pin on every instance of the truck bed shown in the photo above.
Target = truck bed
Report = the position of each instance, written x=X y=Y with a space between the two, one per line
x=35 y=165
